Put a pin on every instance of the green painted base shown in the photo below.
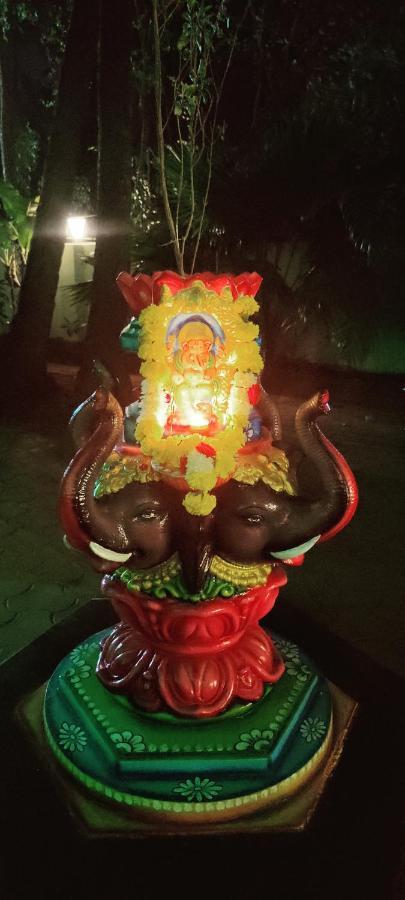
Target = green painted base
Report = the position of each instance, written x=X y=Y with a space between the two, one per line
x=159 y=765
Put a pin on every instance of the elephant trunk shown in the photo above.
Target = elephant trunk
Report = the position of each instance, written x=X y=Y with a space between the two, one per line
x=101 y=414
x=195 y=550
x=337 y=478
x=270 y=415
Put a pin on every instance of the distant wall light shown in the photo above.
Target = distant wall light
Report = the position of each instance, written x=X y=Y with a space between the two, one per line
x=76 y=228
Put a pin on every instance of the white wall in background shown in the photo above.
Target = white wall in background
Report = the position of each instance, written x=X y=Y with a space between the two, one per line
x=70 y=318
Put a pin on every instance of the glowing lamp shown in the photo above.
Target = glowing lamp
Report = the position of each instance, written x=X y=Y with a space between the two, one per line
x=76 y=228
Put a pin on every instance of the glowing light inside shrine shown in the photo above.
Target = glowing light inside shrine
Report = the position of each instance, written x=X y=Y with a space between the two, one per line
x=234 y=401
x=161 y=409
x=198 y=413
x=194 y=348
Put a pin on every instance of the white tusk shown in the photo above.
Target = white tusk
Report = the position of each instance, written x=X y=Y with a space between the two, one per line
x=296 y=551
x=110 y=555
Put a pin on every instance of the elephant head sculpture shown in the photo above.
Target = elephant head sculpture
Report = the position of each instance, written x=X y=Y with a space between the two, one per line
x=143 y=522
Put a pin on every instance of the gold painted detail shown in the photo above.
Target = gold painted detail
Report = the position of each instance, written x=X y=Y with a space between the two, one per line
x=240 y=575
x=225 y=579
x=147 y=580
x=270 y=467
x=119 y=470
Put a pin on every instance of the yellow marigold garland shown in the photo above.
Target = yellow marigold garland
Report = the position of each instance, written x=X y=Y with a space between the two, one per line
x=199 y=459
x=199 y=504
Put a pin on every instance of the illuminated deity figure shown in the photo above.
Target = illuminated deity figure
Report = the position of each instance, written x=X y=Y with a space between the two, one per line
x=187 y=708
x=195 y=345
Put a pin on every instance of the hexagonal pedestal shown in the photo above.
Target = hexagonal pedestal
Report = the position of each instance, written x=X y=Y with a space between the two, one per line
x=151 y=769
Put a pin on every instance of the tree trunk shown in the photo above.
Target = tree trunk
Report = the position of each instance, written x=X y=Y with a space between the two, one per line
x=30 y=332
x=108 y=311
x=3 y=168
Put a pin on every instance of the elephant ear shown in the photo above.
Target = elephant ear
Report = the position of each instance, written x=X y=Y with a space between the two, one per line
x=295 y=555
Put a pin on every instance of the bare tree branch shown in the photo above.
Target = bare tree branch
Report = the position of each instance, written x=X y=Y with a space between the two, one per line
x=161 y=142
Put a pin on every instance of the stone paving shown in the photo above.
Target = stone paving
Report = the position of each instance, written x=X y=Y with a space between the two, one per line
x=355 y=584
x=41 y=582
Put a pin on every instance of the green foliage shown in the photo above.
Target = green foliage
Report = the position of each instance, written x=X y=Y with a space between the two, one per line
x=194 y=45
x=33 y=39
x=187 y=113
x=78 y=298
x=79 y=294
x=15 y=239
x=282 y=128
x=26 y=152
x=314 y=157
x=15 y=225
x=16 y=13
x=374 y=215
x=81 y=202
x=7 y=304
x=151 y=249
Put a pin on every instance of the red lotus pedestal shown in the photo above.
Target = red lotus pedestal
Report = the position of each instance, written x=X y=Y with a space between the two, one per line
x=193 y=659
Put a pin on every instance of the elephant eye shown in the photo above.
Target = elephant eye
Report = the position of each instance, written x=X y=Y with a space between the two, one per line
x=148 y=515
x=252 y=517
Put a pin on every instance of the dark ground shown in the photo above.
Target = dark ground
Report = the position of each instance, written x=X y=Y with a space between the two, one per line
x=354 y=585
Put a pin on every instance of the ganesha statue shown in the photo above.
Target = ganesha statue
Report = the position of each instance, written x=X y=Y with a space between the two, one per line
x=186 y=502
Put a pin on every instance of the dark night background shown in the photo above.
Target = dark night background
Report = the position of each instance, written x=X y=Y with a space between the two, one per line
x=307 y=171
